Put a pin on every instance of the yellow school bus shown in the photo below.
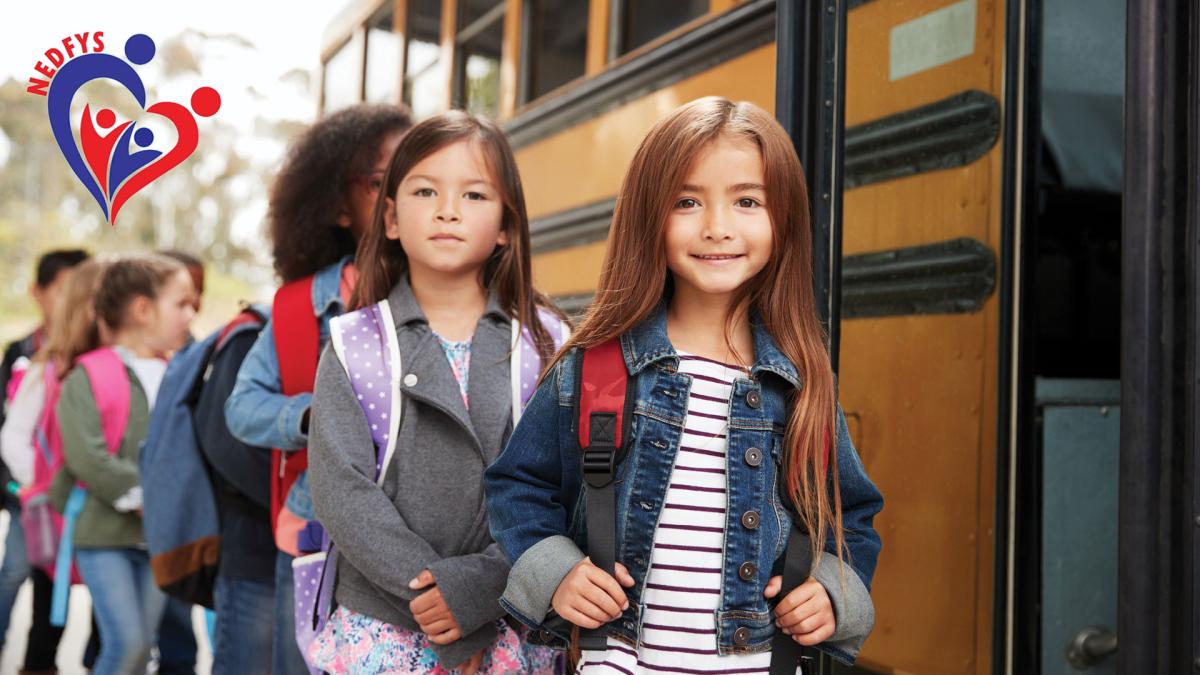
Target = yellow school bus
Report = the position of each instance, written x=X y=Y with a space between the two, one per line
x=965 y=159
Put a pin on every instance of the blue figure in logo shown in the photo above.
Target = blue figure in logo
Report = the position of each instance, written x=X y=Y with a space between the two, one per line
x=139 y=49
x=125 y=164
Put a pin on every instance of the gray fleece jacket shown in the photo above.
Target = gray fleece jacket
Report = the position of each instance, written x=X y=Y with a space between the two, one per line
x=430 y=513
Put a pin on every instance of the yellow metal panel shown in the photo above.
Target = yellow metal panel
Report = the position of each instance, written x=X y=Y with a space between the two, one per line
x=923 y=388
x=569 y=271
x=510 y=59
x=597 y=36
x=446 y=62
x=586 y=163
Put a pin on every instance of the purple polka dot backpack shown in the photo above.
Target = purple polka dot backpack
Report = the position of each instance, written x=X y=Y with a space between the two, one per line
x=365 y=344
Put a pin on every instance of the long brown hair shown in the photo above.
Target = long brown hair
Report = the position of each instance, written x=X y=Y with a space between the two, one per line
x=74 y=329
x=634 y=280
x=382 y=262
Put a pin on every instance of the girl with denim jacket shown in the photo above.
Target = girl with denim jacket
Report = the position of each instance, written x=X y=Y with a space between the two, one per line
x=321 y=203
x=418 y=577
x=736 y=441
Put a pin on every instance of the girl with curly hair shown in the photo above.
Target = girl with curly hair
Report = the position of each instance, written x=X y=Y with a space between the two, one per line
x=321 y=203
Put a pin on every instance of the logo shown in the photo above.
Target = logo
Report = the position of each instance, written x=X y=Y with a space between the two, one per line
x=114 y=158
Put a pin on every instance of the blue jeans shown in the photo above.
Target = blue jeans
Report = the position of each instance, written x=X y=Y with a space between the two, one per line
x=285 y=654
x=243 y=632
x=15 y=569
x=127 y=604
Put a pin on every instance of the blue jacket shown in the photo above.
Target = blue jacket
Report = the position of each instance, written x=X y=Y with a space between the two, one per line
x=536 y=502
x=257 y=412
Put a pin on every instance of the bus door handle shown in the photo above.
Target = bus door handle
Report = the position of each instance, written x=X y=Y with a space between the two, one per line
x=1091 y=646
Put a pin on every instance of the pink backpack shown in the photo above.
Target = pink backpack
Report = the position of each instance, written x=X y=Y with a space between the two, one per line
x=43 y=526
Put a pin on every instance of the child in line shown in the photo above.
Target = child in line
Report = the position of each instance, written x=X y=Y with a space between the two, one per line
x=735 y=429
x=419 y=578
x=145 y=304
x=321 y=203
x=53 y=270
x=72 y=330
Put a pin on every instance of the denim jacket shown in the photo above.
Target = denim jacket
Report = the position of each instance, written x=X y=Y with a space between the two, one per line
x=257 y=411
x=536 y=501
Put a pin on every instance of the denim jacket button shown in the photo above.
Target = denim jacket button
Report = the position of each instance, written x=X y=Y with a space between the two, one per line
x=750 y=520
x=747 y=571
x=546 y=636
x=410 y=380
x=741 y=636
x=754 y=456
x=753 y=398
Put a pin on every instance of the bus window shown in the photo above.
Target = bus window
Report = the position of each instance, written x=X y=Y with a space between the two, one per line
x=480 y=35
x=343 y=75
x=643 y=20
x=423 y=83
x=556 y=37
x=383 y=55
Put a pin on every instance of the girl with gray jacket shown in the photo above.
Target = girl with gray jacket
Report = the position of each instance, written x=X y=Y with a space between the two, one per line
x=446 y=268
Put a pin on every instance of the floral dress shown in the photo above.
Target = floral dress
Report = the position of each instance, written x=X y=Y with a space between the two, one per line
x=354 y=643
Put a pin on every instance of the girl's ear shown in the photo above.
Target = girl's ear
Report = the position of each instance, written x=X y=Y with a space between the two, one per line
x=502 y=238
x=391 y=226
x=141 y=310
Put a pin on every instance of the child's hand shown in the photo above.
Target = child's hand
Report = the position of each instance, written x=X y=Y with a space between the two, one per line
x=471 y=665
x=431 y=612
x=806 y=613
x=589 y=597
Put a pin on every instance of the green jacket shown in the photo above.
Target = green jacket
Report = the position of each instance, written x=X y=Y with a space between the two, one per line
x=108 y=477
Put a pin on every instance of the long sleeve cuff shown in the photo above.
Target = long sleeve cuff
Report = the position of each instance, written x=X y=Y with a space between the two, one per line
x=290 y=419
x=534 y=578
x=852 y=606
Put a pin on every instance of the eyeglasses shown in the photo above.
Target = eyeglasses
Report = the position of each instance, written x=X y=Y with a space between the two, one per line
x=371 y=182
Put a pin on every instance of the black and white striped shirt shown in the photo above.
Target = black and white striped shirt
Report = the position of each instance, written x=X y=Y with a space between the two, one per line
x=683 y=586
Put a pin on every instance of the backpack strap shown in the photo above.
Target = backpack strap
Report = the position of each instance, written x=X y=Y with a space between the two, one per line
x=297 y=347
x=297 y=336
x=110 y=387
x=249 y=315
x=786 y=653
x=604 y=415
x=365 y=344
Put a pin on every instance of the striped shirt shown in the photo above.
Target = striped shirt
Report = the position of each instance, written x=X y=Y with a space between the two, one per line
x=683 y=585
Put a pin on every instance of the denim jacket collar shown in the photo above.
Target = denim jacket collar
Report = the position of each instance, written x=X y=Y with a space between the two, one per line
x=405 y=308
x=326 y=289
x=648 y=343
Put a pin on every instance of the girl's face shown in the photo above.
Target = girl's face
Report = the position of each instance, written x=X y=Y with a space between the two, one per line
x=718 y=233
x=448 y=213
x=362 y=191
x=172 y=313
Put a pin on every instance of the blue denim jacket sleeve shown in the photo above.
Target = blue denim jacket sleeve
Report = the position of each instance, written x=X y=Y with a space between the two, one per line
x=533 y=490
x=861 y=500
x=258 y=412
x=533 y=487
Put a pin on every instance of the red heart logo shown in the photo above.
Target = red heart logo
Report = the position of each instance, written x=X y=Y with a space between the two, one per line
x=205 y=101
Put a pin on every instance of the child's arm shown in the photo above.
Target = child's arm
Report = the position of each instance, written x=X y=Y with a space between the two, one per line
x=533 y=491
x=257 y=412
x=469 y=587
x=108 y=477
x=357 y=514
x=845 y=586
